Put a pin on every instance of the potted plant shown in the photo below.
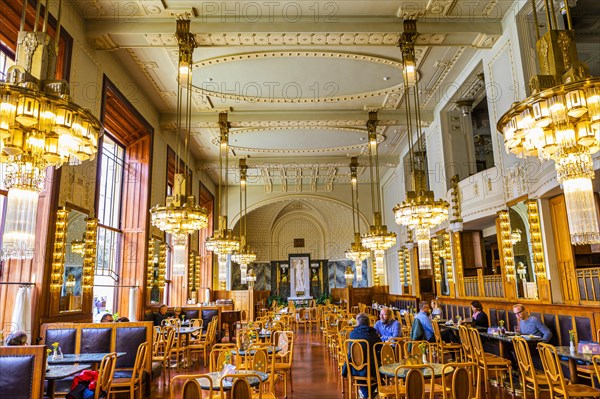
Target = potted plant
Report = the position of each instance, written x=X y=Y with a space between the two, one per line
x=56 y=352
x=501 y=329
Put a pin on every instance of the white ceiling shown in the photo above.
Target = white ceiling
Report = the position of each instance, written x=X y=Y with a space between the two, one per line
x=297 y=77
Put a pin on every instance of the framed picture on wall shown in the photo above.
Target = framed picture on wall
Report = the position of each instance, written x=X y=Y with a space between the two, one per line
x=300 y=274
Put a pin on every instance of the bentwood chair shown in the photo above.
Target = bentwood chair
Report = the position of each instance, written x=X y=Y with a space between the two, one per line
x=187 y=386
x=132 y=384
x=489 y=363
x=465 y=340
x=284 y=340
x=218 y=356
x=206 y=343
x=240 y=387
x=460 y=384
x=106 y=373
x=384 y=354
x=411 y=384
x=165 y=357
x=556 y=379
x=445 y=347
x=359 y=361
x=530 y=377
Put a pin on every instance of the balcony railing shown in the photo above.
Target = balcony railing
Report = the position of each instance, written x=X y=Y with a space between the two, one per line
x=493 y=287
x=472 y=286
x=588 y=281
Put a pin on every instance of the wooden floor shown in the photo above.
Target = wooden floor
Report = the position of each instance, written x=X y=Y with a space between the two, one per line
x=314 y=375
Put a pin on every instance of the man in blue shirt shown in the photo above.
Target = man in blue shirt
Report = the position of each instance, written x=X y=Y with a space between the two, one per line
x=425 y=321
x=386 y=326
x=531 y=325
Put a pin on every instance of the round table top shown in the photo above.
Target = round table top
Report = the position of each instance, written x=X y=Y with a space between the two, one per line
x=389 y=369
x=242 y=352
x=217 y=376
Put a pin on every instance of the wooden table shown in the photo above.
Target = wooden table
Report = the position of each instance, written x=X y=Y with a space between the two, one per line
x=59 y=371
x=92 y=359
x=389 y=369
x=231 y=317
x=565 y=351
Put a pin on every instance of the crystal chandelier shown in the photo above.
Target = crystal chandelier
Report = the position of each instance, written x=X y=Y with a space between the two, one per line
x=244 y=256
x=357 y=253
x=420 y=211
x=223 y=242
x=378 y=239
x=40 y=126
x=181 y=216
x=560 y=121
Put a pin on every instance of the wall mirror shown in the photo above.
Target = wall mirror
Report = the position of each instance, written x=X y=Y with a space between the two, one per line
x=71 y=291
x=155 y=279
x=520 y=237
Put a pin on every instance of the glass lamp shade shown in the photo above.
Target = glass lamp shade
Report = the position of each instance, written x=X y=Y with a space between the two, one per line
x=179 y=255
x=243 y=273
x=379 y=261
x=579 y=201
x=358 y=266
x=19 y=232
x=424 y=255
x=222 y=260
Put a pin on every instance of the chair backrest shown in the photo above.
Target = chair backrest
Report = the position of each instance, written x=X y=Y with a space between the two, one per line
x=461 y=382
x=551 y=365
x=476 y=346
x=596 y=363
x=25 y=380
x=188 y=387
x=218 y=356
x=412 y=348
x=257 y=358
x=140 y=360
x=436 y=332
x=463 y=333
x=358 y=355
x=106 y=372
x=387 y=353
x=240 y=388
x=411 y=378
x=169 y=341
x=283 y=340
x=524 y=359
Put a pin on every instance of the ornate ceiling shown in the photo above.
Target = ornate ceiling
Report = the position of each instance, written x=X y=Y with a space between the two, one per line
x=297 y=77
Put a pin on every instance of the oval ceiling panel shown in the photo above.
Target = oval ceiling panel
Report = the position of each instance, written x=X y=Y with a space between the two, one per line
x=291 y=77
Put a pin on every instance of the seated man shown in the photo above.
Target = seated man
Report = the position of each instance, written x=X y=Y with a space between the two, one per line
x=386 y=326
x=363 y=331
x=160 y=315
x=530 y=325
x=423 y=330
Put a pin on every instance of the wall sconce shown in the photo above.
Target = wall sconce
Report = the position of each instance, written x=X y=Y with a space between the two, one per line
x=437 y=264
x=70 y=284
x=507 y=249
x=89 y=255
x=58 y=255
x=349 y=276
x=251 y=278
x=535 y=232
x=448 y=258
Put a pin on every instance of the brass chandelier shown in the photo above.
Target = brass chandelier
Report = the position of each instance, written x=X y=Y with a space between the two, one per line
x=420 y=211
x=560 y=121
x=357 y=252
x=223 y=242
x=181 y=216
x=40 y=126
x=378 y=239
x=244 y=256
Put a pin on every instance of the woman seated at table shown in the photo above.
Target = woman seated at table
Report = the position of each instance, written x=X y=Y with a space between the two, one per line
x=480 y=319
x=436 y=311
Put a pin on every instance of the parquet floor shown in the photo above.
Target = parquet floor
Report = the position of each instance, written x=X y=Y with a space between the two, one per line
x=314 y=375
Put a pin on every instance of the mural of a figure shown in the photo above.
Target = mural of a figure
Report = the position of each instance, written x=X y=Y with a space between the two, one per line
x=299 y=272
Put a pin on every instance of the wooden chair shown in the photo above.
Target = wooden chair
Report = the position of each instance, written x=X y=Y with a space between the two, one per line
x=240 y=387
x=134 y=383
x=165 y=358
x=412 y=349
x=188 y=387
x=205 y=344
x=302 y=318
x=384 y=353
x=461 y=382
x=556 y=379
x=106 y=372
x=408 y=322
x=258 y=359
x=530 y=377
x=284 y=340
x=587 y=371
x=218 y=356
x=359 y=360
x=489 y=363
x=411 y=384
x=596 y=363
x=446 y=347
x=465 y=340
x=197 y=336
